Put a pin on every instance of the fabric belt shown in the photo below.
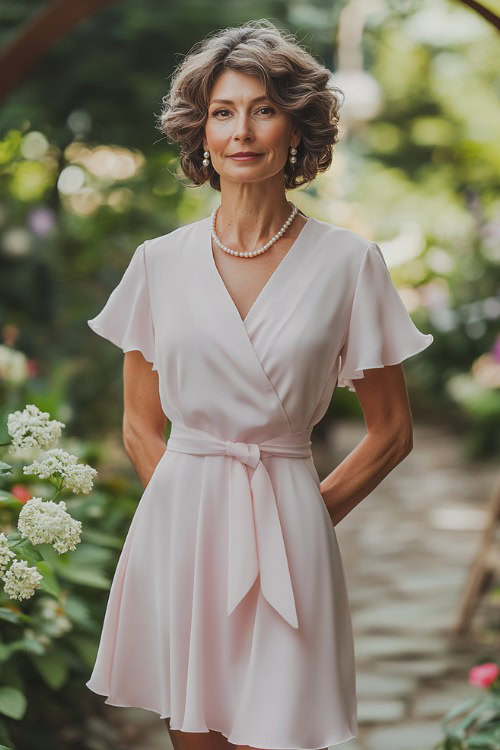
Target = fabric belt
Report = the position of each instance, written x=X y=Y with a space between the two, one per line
x=255 y=543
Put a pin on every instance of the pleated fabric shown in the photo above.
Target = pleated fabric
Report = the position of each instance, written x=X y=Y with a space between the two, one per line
x=229 y=609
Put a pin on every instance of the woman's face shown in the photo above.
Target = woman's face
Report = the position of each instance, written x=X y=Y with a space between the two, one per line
x=246 y=121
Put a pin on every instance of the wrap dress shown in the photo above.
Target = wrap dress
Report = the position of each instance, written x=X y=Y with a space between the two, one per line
x=228 y=609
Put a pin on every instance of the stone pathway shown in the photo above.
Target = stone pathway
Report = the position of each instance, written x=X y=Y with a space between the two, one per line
x=407 y=549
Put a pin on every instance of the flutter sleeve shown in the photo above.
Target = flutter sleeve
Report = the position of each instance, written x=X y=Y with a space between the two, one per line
x=126 y=318
x=380 y=330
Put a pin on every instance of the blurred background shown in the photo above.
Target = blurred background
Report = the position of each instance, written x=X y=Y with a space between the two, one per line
x=85 y=177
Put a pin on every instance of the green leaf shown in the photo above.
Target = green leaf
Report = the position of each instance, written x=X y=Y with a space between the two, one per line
x=86 y=648
x=453 y=743
x=9 y=616
x=481 y=740
x=49 y=582
x=4 y=467
x=26 y=550
x=5 y=738
x=19 y=543
x=14 y=536
x=30 y=645
x=6 y=498
x=12 y=702
x=483 y=708
x=94 y=536
x=464 y=706
x=86 y=577
x=53 y=667
x=77 y=609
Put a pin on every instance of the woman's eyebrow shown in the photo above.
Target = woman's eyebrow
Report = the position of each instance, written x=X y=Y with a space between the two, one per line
x=229 y=101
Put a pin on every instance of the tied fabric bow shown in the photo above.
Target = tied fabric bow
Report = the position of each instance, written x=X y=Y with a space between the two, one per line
x=255 y=544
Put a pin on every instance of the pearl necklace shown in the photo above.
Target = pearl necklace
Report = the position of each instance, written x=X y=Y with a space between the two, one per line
x=260 y=250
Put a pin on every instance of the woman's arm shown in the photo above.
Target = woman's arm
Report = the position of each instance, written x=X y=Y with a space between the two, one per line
x=144 y=421
x=386 y=409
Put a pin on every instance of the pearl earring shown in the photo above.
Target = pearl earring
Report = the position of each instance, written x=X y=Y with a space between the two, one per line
x=292 y=158
x=206 y=160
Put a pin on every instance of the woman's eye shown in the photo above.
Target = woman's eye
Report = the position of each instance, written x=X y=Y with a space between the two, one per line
x=218 y=111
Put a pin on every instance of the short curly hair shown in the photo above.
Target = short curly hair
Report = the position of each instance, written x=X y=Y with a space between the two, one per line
x=293 y=79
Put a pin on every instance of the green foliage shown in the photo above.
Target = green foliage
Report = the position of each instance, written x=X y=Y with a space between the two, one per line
x=474 y=723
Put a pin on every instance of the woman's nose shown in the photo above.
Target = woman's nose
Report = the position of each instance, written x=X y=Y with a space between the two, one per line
x=242 y=126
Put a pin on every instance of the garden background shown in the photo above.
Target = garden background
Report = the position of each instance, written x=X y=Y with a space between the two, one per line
x=85 y=177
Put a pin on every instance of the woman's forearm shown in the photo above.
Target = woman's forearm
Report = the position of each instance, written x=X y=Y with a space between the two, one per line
x=361 y=471
x=145 y=452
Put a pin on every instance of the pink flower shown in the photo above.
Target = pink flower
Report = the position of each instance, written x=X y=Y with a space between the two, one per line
x=484 y=674
x=21 y=491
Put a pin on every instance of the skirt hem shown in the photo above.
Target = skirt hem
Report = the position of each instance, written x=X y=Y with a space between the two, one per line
x=327 y=744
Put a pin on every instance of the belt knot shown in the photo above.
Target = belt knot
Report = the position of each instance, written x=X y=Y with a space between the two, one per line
x=247 y=453
x=256 y=546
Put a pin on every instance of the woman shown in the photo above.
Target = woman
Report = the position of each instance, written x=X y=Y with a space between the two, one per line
x=228 y=614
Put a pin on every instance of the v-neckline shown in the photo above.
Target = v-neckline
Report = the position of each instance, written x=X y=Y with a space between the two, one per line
x=272 y=277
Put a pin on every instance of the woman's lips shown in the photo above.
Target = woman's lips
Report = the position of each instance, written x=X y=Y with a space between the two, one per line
x=246 y=158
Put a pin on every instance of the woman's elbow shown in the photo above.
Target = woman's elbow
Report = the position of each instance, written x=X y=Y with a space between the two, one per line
x=404 y=439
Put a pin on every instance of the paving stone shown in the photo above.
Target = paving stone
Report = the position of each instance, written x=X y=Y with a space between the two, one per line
x=367 y=596
x=411 y=736
x=405 y=616
x=452 y=546
x=158 y=739
x=371 y=684
x=416 y=667
x=101 y=729
x=380 y=712
x=379 y=647
x=132 y=715
x=437 y=704
x=439 y=580
x=353 y=744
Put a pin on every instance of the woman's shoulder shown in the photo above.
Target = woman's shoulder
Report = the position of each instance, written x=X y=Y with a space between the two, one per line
x=339 y=243
x=173 y=239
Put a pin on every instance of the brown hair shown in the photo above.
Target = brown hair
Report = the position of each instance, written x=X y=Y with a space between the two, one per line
x=293 y=79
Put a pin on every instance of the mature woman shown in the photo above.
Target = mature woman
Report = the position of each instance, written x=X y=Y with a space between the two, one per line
x=228 y=614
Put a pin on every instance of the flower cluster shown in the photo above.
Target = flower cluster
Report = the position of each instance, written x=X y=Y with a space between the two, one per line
x=59 y=464
x=5 y=554
x=20 y=581
x=46 y=522
x=55 y=621
x=32 y=428
x=14 y=367
x=42 y=521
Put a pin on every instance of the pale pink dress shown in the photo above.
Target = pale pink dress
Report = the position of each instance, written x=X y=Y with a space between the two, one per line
x=228 y=609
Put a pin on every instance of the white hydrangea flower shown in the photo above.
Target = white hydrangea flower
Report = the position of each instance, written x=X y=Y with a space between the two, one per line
x=20 y=581
x=46 y=522
x=57 y=623
x=5 y=554
x=58 y=463
x=13 y=365
x=32 y=428
x=40 y=637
